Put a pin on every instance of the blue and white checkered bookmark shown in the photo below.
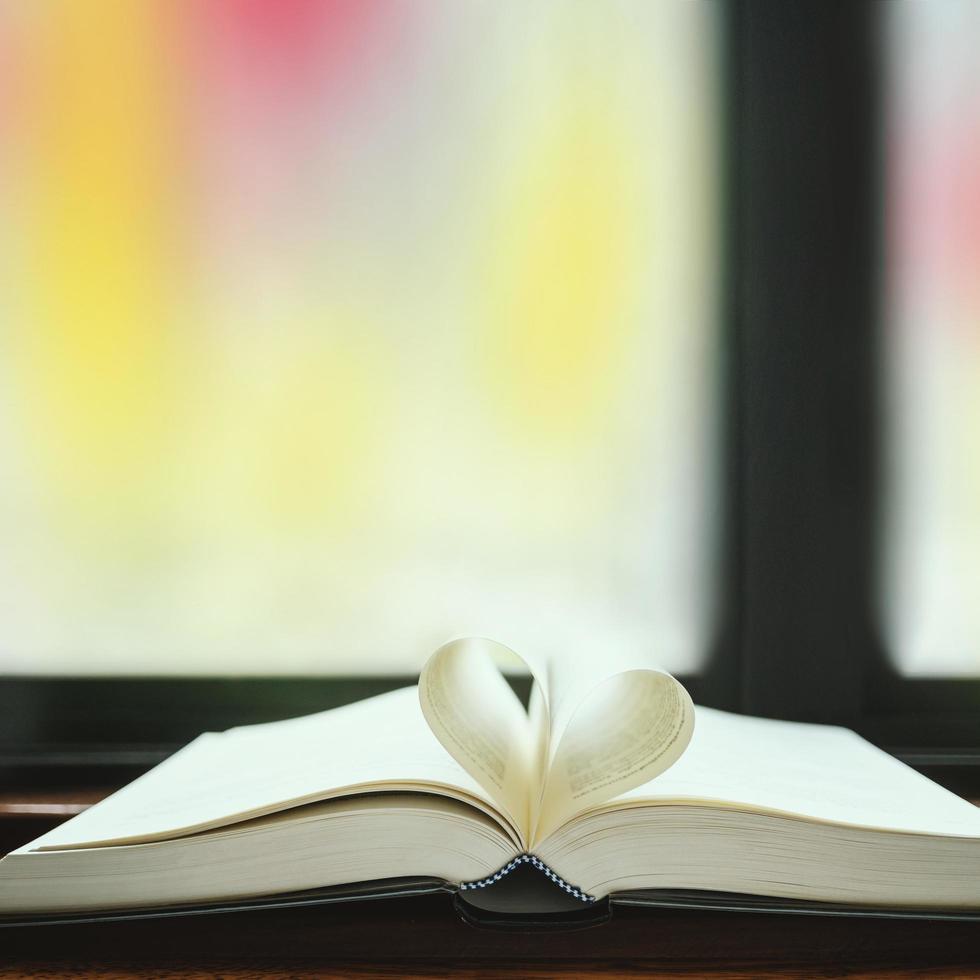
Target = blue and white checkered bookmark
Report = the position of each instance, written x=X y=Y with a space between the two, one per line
x=535 y=862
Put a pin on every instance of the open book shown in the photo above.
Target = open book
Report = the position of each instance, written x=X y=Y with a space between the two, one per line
x=606 y=784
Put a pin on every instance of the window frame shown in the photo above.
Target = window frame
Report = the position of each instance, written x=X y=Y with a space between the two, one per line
x=799 y=318
x=810 y=320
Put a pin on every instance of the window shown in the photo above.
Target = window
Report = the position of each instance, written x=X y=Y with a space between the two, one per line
x=932 y=339
x=615 y=320
x=821 y=320
x=335 y=329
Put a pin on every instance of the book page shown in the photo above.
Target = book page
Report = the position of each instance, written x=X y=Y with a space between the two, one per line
x=820 y=772
x=481 y=722
x=627 y=729
x=382 y=743
x=601 y=721
x=573 y=669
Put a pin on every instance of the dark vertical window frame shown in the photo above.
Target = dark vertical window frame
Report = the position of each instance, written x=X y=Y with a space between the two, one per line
x=804 y=256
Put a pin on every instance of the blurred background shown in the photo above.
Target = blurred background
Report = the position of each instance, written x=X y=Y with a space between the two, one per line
x=332 y=328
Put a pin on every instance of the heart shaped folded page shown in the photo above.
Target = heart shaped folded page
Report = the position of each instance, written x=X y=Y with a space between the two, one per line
x=597 y=725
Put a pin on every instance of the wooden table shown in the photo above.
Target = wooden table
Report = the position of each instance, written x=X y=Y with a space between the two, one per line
x=422 y=937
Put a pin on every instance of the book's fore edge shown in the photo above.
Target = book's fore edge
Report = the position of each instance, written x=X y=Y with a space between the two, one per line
x=535 y=862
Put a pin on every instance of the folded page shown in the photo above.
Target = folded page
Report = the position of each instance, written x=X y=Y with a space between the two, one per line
x=475 y=714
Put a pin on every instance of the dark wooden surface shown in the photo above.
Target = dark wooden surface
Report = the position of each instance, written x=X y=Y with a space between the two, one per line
x=423 y=937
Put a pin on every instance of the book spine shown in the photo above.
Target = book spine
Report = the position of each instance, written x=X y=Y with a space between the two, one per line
x=535 y=862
